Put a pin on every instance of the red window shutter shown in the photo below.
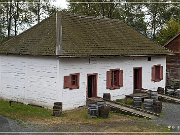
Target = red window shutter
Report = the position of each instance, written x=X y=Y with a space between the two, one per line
x=161 y=72
x=153 y=73
x=67 y=82
x=108 y=79
x=78 y=75
x=121 y=78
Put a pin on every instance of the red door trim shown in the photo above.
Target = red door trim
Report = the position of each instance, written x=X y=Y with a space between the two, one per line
x=94 y=93
x=139 y=79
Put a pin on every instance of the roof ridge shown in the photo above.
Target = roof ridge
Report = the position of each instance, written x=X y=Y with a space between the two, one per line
x=91 y=17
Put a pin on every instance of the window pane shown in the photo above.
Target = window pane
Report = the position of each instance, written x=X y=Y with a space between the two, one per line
x=115 y=78
x=74 y=79
x=157 y=74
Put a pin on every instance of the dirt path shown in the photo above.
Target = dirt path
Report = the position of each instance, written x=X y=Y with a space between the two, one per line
x=169 y=117
x=4 y=125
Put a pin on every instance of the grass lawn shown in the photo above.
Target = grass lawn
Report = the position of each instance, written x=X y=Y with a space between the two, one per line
x=77 y=119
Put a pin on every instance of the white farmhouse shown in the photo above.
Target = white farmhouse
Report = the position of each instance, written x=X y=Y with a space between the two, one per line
x=68 y=58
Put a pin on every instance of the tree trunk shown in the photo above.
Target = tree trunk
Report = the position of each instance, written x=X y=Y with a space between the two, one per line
x=9 y=19
x=38 y=12
x=154 y=25
x=16 y=17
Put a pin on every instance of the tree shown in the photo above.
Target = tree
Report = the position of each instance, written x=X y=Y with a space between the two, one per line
x=17 y=15
x=171 y=28
x=131 y=13
x=173 y=11
x=156 y=13
x=93 y=9
x=40 y=9
x=2 y=33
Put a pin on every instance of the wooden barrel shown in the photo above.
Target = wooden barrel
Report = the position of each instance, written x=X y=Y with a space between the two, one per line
x=160 y=90
x=177 y=93
x=93 y=110
x=100 y=103
x=57 y=109
x=154 y=95
x=149 y=93
x=106 y=96
x=148 y=104
x=104 y=111
x=58 y=104
x=137 y=102
x=157 y=106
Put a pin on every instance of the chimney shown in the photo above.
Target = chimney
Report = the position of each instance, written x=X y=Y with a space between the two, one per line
x=58 y=33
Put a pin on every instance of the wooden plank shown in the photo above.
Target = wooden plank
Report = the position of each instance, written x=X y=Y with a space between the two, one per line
x=131 y=110
x=169 y=98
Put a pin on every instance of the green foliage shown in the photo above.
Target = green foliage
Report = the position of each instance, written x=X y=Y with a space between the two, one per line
x=16 y=15
x=127 y=101
x=171 y=28
x=131 y=13
x=156 y=12
x=145 y=16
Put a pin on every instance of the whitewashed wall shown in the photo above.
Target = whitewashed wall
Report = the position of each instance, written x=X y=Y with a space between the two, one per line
x=39 y=80
x=31 y=80
x=77 y=97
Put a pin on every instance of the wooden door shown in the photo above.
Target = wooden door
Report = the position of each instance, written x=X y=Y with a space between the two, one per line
x=92 y=85
x=137 y=75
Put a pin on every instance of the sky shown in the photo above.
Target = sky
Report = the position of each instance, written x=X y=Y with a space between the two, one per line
x=63 y=4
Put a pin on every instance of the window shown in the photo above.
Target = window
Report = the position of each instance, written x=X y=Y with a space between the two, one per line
x=74 y=79
x=114 y=79
x=71 y=81
x=149 y=58
x=157 y=73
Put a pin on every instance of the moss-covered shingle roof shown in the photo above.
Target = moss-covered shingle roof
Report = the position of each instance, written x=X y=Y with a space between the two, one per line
x=82 y=37
x=38 y=40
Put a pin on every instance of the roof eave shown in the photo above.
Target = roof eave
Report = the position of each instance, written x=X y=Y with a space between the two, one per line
x=103 y=56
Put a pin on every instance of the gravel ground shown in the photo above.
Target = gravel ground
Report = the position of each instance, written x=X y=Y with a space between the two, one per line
x=170 y=116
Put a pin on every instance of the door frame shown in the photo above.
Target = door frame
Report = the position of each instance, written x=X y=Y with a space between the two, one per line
x=96 y=76
x=140 y=79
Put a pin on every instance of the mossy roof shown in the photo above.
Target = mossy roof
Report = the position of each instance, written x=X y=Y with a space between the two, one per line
x=82 y=37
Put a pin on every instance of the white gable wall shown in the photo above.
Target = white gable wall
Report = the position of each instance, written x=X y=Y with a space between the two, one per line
x=77 y=97
x=31 y=80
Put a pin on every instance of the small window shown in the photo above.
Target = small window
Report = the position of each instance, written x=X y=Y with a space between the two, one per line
x=114 y=79
x=71 y=81
x=149 y=58
x=157 y=73
x=74 y=79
